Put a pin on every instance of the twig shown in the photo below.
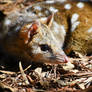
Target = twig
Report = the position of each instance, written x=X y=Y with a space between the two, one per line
x=23 y=74
x=6 y=1
x=26 y=68
x=7 y=72
x=87 y=74
x=3 y=86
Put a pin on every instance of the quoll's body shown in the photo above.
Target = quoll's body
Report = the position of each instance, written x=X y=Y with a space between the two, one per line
x=42 y=31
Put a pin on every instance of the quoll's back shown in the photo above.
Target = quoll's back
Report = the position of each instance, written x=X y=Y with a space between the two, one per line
x=41 y=32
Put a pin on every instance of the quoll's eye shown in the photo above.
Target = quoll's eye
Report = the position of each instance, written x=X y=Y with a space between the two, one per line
x=45 y=47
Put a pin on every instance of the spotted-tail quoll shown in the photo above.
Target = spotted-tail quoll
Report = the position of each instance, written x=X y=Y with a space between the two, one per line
x=45 y=31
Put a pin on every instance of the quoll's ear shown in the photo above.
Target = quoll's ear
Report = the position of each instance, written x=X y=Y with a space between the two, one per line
x=47 y=20
x=27 y=32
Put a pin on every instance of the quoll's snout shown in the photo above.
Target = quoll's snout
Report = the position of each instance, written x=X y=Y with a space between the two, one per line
x=62 y=58
x=54 y=56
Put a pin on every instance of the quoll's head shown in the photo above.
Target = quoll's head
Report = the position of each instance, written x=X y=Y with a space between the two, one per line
x=32 y=34
x=41 y=42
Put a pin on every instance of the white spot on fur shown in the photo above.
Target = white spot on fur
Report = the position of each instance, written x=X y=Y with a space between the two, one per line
x=7 y=22
x=67 y=6
x=61 y=1
x=74 y=26
x=38 y=8
x=49 y=1
x=80 y=5
x=74 y=21
x=53 y=1
x=52 y=9
x=90 y=30
x=75 y=17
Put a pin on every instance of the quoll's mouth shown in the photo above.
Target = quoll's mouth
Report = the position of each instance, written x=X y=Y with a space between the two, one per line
x=59 y=59
x=62 y=58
